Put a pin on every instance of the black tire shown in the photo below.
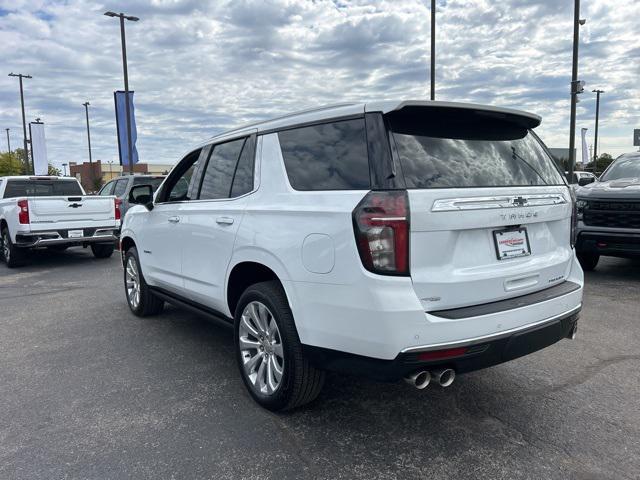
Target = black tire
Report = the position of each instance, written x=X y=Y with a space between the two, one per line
x=300 y=382
x=102 y=250
x=12 y=255
x=148 y=304
x=588 y=261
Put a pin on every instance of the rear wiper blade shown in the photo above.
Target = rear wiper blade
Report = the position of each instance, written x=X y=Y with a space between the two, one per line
x=515 y=155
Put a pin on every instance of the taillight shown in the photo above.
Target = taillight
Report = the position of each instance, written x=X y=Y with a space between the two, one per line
x=574 y=218
x=117 y=202
x=381 y=225
x=23 y=212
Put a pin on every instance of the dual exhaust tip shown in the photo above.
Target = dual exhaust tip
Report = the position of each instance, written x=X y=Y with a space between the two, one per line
x=422 y=378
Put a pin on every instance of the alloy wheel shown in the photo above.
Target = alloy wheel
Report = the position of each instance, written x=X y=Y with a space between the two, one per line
x=132 y=282
x=261 y=348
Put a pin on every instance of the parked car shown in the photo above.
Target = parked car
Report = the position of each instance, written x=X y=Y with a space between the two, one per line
x=413 y=240
x=54 y=212
x=609 y=213
x=121 y=186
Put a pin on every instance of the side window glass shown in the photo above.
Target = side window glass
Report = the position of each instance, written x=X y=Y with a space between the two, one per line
x=121 y=187
x=243 y=178
x=107 y=189
x=176 y=188
x=218 y=175
x=329 y=156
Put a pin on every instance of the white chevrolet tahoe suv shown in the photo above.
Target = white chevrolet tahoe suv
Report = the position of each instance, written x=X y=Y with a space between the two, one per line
x=395 y=240
x=53 y=212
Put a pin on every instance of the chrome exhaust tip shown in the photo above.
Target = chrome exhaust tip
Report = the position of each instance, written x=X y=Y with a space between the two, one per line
x=444 y=376
x=419 y=379
x=573 y=333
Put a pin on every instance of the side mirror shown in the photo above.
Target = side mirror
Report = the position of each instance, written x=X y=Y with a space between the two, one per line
x=586 y=181
x=141 y=195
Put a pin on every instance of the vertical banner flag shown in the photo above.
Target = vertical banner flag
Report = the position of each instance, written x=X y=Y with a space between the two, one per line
x=38 y=149
x=121 y=126
x=585 y=150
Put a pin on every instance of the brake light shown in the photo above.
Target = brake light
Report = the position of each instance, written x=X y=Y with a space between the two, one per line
x=381 y=225
x=23 y=212
x=117 y=202
x=574 y=218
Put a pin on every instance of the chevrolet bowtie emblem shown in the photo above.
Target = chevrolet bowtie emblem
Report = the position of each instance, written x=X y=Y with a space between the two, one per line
x=75 y=205
x=520 y=202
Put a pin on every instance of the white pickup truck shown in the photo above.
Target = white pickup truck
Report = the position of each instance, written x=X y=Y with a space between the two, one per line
x=54 y=212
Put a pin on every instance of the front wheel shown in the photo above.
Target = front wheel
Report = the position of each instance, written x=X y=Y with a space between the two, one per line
x=102 y=250
x=588 y=261
x=140 y=298
x=269 y=352
x=12 y=255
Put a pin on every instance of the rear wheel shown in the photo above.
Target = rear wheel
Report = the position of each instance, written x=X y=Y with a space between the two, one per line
x=588 y=260
x=102 y=250
x=12 y=255
x=140 y=298
x=269 y=352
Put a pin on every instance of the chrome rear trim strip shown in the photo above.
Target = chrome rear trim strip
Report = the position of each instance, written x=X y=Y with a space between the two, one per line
x=503 y=201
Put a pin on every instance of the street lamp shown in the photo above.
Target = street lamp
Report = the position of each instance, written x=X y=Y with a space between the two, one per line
x=86 y=110
x=595 y=142
x=122 y=18
x=8 y=142
x=433 y=49
x=576 y=87
x=110 y=162
x=24 y=121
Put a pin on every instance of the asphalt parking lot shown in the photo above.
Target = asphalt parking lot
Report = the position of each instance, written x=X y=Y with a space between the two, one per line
x=89 y=391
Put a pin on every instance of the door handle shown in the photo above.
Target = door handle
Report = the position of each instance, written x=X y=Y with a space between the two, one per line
x=174 y=219
x=224 y=220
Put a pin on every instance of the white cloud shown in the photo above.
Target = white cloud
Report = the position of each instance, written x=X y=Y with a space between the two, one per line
x=199 y=67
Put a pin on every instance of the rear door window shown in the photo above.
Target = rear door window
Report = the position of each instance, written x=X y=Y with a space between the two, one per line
x=121 y=187
x=107 y=189
x=243 y=178
x=42 y=188
x=329 y=156
x=468 y=149
x=218 y=176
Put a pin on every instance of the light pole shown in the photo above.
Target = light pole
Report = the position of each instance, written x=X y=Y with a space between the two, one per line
x=8 y=142
x=576 y=87
x=86 y=110
x=595 y=142
x=24 y=121
x=433 y=49
x=122 y=18
x=110 y=172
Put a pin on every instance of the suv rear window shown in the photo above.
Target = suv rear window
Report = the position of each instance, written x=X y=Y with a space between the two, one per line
x=329 y=156
x=468 y=149
x=42 y=188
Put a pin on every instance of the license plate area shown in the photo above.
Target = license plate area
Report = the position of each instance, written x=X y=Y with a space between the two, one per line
x=75 y=233
x=511 y=243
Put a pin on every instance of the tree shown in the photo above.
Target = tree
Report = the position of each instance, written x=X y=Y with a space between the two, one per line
x=602 y=162
x=53 y=171
x=10 y=164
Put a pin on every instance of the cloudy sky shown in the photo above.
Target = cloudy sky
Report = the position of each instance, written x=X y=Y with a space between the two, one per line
x=199 y=67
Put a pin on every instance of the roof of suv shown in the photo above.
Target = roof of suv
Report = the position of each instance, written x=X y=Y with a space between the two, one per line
x=319 y=114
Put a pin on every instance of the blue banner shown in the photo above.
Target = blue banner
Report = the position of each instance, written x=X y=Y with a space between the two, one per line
x=121 y=125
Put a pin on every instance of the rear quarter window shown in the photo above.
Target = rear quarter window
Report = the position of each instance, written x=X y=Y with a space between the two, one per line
x=329 y=156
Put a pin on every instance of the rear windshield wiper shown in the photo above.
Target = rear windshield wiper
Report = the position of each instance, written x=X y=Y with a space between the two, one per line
x=515 y=155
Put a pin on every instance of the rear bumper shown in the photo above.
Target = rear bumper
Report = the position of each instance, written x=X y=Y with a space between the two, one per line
x=61 y=237
x=608 y=242
x=474 y=354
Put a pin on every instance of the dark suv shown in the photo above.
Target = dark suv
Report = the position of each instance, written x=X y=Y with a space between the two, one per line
x=609 y=213
x=121 y=186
